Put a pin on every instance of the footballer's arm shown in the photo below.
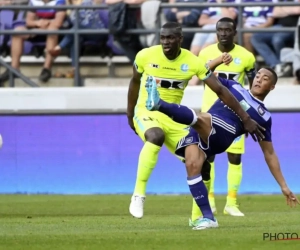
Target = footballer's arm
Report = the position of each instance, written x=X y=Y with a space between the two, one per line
x=224 y=58
x=224 y=94
x=215 y=63
x=273 y=162
x=274 y=166
x=133 y=92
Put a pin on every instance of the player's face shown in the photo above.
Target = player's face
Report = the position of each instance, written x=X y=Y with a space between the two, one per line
x=262 y=83
x=171 y=42
x=225 y=33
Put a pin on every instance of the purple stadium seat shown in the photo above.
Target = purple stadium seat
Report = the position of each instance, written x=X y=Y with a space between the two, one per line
x=6 y=18
x=27 y=45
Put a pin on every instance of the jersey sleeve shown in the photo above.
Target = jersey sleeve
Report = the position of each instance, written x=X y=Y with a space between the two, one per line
x=227 y=83
x=203 y=71
x=250 y=68
x=202 y=54
x=139 y=61
x=267 y=133
x=205 y=11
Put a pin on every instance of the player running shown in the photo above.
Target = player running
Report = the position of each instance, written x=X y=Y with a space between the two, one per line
x=243 y=64
x=172 y=68
x=213 y=132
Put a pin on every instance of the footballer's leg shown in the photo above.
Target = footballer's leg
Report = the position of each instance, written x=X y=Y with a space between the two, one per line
x=208 y=179
x=194 y=160
x=196 y=212
x=234 y=176
x=178 y=135
x=197 y=170
x=179 y=113
x=149 y=129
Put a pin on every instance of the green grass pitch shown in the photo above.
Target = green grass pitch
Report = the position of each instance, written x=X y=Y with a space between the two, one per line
x=103 y=222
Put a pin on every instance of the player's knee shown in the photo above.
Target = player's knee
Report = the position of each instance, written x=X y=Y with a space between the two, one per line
x=205 y=172
x=235 y=159
x=193 y=167
x=155 y=136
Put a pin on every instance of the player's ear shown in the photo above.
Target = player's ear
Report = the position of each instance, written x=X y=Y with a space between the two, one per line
x=181 y=39
x=272 y=86
x=235 y=32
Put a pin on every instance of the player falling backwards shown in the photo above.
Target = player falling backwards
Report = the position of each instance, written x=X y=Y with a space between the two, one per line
x=213 y=132
x=172 y=68
x=243 y=64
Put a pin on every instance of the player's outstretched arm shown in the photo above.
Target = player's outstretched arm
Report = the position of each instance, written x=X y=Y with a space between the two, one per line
x=274 y=166
x=224 y=58
x=224 y=94
x=132 y=96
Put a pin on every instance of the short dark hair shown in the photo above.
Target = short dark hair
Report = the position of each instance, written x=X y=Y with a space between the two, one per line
x=274 y=74
x=227 y=20
x=173 y=25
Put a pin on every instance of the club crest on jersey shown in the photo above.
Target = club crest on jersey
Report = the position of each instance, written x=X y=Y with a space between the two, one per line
x=152 y=65
x=260 y=110
x=184 y=67
x=237 y=139
x=237 y=60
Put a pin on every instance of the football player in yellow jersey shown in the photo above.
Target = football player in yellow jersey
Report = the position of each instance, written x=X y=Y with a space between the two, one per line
x=171 y=67
x=243 y=64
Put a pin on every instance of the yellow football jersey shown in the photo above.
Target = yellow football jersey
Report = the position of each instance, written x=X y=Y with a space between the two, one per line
x=243 y=62
x=172 y=76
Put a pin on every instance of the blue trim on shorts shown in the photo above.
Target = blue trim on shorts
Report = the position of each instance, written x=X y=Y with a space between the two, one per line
x=141 y=126
x=190 y=139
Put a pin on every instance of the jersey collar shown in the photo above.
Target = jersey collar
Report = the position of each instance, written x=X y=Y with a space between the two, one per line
x=255 y=97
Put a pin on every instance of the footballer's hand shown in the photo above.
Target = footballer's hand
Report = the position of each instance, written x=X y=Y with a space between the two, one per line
x=226 y=58
x=254 y=129
x=291 y=199
x=130 y=123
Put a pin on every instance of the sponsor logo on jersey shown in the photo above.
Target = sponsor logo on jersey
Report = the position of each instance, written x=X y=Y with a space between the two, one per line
x=184 y=67
x=154 y=65
x=170 y=83
x=228 y=75
x=245 y=105
x=168 y=68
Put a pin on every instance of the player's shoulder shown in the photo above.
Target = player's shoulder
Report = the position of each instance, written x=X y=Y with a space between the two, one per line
x=209 y=49
x=243 y=51
x=150 y=51
x=188 y=56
